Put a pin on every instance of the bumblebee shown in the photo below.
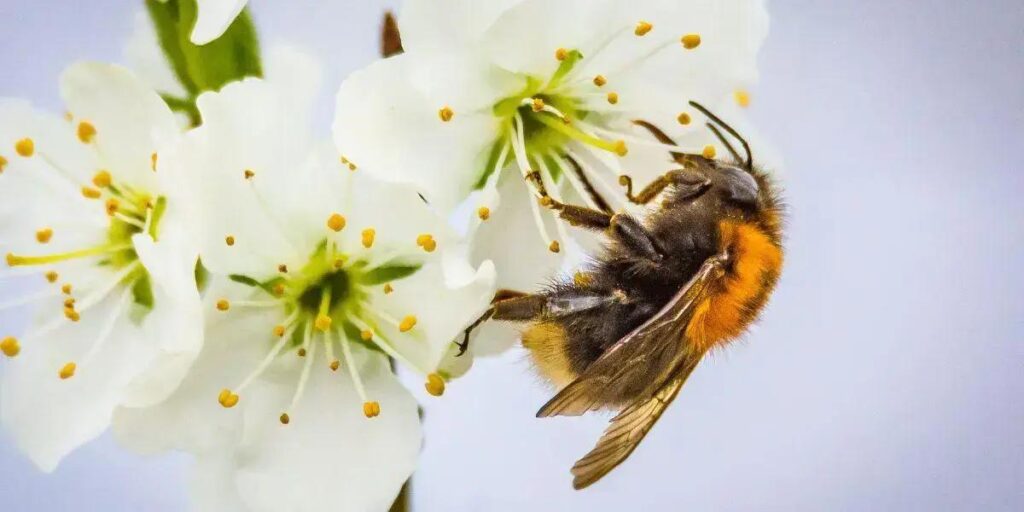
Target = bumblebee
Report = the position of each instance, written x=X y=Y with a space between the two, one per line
x=625 y=333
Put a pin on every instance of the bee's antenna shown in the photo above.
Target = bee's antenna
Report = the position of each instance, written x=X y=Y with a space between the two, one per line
x=749 y=163
x=721 y=138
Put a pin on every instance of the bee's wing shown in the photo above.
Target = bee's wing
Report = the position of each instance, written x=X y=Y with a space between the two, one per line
x=651 y=352
x=627 y=429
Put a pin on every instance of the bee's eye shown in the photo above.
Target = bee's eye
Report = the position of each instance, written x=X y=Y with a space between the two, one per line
x=739 y=186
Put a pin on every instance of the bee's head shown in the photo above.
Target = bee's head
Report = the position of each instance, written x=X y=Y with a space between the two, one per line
x=717 y=183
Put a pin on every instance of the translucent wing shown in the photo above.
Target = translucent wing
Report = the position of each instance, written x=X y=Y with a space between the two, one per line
x=651 y=354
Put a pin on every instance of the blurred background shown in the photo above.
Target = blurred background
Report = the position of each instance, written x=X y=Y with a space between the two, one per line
x=888 y=372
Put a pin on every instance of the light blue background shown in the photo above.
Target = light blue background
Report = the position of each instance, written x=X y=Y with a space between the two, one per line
x=888 y=373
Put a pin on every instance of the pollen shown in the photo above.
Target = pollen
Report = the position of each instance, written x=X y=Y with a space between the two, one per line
x=600 y=80
x=371 y=409
x=227 y=399
x=86 y=132
x=223 y=305
x=613 y=98
x=66 y=289
x=621 y=148
x=102 y=179
x=483 y=212
x=366 y=335
x=684 y=118
x=284 y=418
x=278 y=330
x=538 y=104
x=72 y=315
x=446 y=113
x=561 y=54
x=10 y=346
x=709 y=152
x=229 y=240
x=90 y=193
x=336 y=222
x=435 y=384
x=368 y=235
x=642 y=28
x=282 y=268
x=44 y=235
x=427 y=242
x=742 y=98
x=52 y=276
x=25 y=147
x=407 y=323
x=388 y=289
x=152 y=161
x=335 y=365
x=323 y=322
x=690 y=41
x=301 y=352
x=554 y=246
x=112 y=206
x=581 y=279
x=69 y=303
x=67 y=371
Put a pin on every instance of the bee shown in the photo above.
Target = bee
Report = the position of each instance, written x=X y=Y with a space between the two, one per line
x=626 y=332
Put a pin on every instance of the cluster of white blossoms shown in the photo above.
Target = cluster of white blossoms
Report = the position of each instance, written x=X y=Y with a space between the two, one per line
x=244 y=289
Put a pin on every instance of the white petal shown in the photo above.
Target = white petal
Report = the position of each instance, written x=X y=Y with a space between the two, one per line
x=438 y=25
x=214 y=17
x=131 y=120
x=143 y=54
x=212 y=484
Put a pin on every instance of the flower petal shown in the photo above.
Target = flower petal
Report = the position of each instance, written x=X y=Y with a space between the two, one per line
x=438 y=25
x=214 y=17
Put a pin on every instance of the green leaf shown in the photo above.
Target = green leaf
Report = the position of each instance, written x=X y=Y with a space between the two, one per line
x=231 y=57
x=388 y=273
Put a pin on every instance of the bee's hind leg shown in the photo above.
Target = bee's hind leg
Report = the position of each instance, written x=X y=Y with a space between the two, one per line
x=507 y=305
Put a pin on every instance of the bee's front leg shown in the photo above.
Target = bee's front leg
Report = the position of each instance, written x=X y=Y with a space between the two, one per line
x=507 y=305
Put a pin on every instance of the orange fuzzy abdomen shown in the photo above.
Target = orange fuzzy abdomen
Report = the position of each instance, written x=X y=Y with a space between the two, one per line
x=744 y=289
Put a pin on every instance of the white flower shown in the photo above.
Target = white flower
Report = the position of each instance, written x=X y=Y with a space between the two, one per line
x=292 y=404
x=490 y=93
x=82 y=204
x=214 y=17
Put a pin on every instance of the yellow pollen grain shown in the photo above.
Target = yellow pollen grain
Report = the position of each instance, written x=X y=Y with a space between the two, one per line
x=284 y=418
x=279 y=289
x=69 y=303
x=435 y=384
x=10 y=346
x=229 y=240
x=72 y=315
x=90 y=193
x=690 y=41
x=538 y=104
x=371 y=409
x=742 y=98
x=621 y=148
x=68 y=371
x=223 y=305
x=642 y=28
x=600 y=80
x=112 y=206
x=366 y=335
x=352 y=167
x=3 y=163
x=388 y=289
x=25 y=147
x=483 y=212
x=248 y=174
x=44 y=235
x=581 y=279
x=684 y=118
x=152 y=161
x=86 y=132
x=561 y=54
x=709 y=152
x=302 y=352
x=335 y=365
x=52 y=276
x=368 y=235
x=323 y=322
x=555 y=247
x=407 y=323
x=446 y=113
x=613 y=97
x=278 y=330
x=336 y=222
x=66 y=289
x=427 y=242
x=102 y=179
x=227 y=399
x=282 y=268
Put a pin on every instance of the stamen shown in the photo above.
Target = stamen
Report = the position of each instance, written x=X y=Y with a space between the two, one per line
x=642 y=28
x=357 y=381
x=742 y=98
x=427 y=242
x=690 y=41
x=483 y=212
x=112 y=205
x=613 y=98
x=10 y=346
x=323 y=320
x=366 y=335
x=248 y=174
x=304 y=376
x=68 y=370
x=269 y=358
x=229 y=240
x=223 y=305
x=333 y=364
x=279 y=330
x=102 y=179
x=86 y=132
x=561 y=54
x=282 y=268
x=368 y=236
x=407 y=323
x=14 y=260
x=709 y=152
x=3 y=163
x=684 y=118
x=285 y=419
x=388 y=289
x=446 y=114
x=336 y=222
x=152 y=161
x=25 y=147
x=66 y=289
x=52 y=276
x=537 y=104
x=560 y=226
x=371 y=409
x=44 y=235
x=435 y=384
x=90 y=193
x=600 y=80
x=227 y=399
x=618 y=147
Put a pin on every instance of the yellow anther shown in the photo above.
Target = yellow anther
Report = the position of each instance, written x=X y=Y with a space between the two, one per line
x=279 y=330
x=86 y=132
x=279 y=289
x=68 y=371
x=344 y=160
x=223 y=305
x=554 y=247
x=3 y=163
x=301 y=352
x=112 y=206
x=152 y=161
x=742 y=98
x=282 y=268
x=323 y=322
x=709 y=152
x=69 y=303
x=446 y=113
x=483 y=212
x=52 y=276
x=600 y=80
x=66 y=288
x=435 y=384
x=352 y=166
x=561 y=54
x=368 y=235
x=690 y=41
x=538 y=104
x=72 y=315
x=248 y=174
x=684 y=118
x=388 y=288
x=10 y=346
x=642 y=28
x=613 y=97
x=44 y=235
x=336 y=222
x=227 y=399
x=102 y=179
x=284 y=418
x=366 y=335
x=621 y=148
x=25 y=147
x=340 y=262
x=229 y=240
x=90 y=193
x=407 y=323
x=335 y=365
x=371 y=409
x=427 y=242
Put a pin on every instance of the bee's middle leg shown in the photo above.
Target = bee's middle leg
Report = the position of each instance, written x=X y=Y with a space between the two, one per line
x=507 y=305
x=620 y=226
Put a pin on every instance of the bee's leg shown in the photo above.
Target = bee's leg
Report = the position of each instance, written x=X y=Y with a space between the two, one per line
x=681 y=158
x=507 y=305
x=592 y=192
x=622 y=227
x=686 y=180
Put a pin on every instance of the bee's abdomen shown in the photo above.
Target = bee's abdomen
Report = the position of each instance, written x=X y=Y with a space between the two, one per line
x=546 y=343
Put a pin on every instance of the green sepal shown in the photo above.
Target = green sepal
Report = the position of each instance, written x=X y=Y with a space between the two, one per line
x=389 y=273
